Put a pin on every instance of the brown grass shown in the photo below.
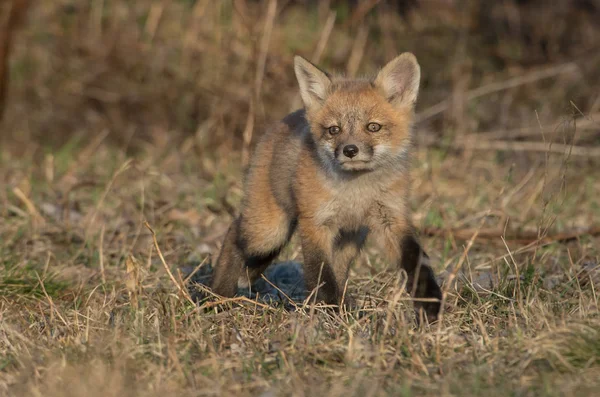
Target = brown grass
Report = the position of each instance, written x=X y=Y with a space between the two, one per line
x=120 y=114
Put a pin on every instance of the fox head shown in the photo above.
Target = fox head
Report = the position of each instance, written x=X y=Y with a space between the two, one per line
x=360 y=124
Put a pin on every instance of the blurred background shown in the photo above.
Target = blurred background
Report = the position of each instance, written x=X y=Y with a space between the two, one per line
x=214 y=72
x=115 y=111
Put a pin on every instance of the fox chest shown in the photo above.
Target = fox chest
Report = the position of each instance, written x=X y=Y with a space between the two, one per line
x=347 y=207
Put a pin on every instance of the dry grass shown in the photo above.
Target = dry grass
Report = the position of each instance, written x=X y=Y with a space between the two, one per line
x=123 y=114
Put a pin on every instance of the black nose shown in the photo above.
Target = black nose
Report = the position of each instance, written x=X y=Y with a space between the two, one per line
x=350 y=150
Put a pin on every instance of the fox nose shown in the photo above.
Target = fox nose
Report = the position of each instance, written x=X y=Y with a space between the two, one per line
x=350 y=151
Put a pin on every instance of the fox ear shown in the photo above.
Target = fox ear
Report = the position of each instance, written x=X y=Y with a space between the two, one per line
x=399 y=80
x=313 y=82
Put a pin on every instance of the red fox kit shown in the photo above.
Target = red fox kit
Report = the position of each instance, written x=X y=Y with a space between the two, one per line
x=337 y=171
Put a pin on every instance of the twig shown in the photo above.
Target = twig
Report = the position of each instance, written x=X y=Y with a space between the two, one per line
x=280 y=291
x=582 y=124
x=95 y=21
x=363 y=9
x=324 y=38
x=487 y=89
x=222 y=301
x=518 y=146
x=29 y=205
x=101 y=254
x=50 y=301
x=18 y=9
x=234 y=300
x=513 y=237
x=358 y=50
x=189 y=276
x=531 y=146
x=264 y=45
x=162 y=259
x=260 y=73
x=247 y=134
x=153 y=20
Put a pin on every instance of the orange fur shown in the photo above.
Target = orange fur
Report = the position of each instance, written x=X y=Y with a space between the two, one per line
x=339 y=170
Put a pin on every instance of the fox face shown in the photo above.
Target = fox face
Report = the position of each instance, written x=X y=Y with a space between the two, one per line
x=360 y=125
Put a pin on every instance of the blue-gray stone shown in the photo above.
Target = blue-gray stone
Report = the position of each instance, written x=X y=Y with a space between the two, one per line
x=287 y=276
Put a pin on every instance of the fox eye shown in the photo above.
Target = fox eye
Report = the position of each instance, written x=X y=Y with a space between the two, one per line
x=334 y=130
x=373 y=127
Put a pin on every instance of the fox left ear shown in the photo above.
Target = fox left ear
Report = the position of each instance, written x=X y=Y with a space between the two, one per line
x=399 y=80
x=314 y=83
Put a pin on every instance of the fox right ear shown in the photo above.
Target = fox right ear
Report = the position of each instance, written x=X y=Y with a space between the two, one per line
x=399 y=80
x=313 y=82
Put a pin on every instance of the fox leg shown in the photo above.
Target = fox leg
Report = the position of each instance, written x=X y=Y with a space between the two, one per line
x=229 y=263
x=346 y=248
x=327 y=259
x=317 y=245
x=404 y=249
x=421 y=279
x=251 y=244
